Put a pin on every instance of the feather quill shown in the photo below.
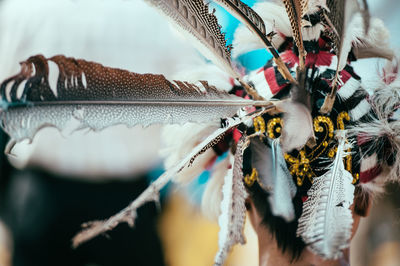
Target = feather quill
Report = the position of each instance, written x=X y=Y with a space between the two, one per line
x=256 y=24
x=326 y=222
x=99 y=97
x=233 y=210
x=296 y=9
x=128 y=215
x=274 y=176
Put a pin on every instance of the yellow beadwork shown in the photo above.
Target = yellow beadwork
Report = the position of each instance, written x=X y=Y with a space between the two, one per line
x=340 y=118
x=340 y=124
x=355 y=178
x=323 y=120
x=259 y=124
x=250 y=179
x=332 y=152
x=274 y=125
x=300 y=167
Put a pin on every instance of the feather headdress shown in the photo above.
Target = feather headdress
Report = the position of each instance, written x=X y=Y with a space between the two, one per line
x=279 y=125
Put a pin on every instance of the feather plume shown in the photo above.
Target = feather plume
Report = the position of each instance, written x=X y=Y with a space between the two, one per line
x=233 y=210
x=382 y=132
x=326 y=222
x=296 y=9
x=99 y=97
x=181 y=139
x=255 y=23
x=374 y=43
x=212 y=196
x=128 y=215
x=275 y=19
x=274 y=176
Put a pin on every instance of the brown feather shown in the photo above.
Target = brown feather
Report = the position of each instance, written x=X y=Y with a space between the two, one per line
x=338 y=17
x=296 y=9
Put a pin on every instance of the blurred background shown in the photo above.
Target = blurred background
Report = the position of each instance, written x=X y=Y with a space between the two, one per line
x=52 y=185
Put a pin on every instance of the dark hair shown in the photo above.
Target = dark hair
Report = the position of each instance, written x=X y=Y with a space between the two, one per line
x=282 y=231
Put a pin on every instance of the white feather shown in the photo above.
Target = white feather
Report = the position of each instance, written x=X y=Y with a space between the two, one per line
x=298 y=126
x=274 y=177
x=378 y=34
x=349 y=88
x=212 y=196
x=179 y=140
x=326 y=222
x=233 y=210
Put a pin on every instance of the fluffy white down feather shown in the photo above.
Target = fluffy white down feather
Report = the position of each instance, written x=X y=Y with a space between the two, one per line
x=212 y=196
x=275 y=19
x=298 y=126
x=179 y=141
x=378 y=34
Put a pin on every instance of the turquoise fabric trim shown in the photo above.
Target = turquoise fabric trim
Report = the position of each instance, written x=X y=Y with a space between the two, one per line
x=254 y=59
x=251 y=60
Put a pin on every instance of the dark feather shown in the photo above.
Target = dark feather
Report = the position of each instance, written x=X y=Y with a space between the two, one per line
x=296 y=10
x=255 y=23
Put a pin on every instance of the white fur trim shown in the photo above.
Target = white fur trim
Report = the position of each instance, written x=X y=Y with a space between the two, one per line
x=312 y=33
x=260 y=83
x=349 y=88
x=360 y=110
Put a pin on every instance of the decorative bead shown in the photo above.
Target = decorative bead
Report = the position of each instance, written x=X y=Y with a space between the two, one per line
x=340 y=118
x=250 y=179
x=274 y=125
x=259 y=124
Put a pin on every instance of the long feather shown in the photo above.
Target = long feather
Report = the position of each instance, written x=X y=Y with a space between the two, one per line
x=201 y=27
x=256 y=24
x=326 y=222
x=128 y=215
x=233 y=210
x=274 y=176
x=204 y=32
x=296 y=9
x=99 y=97
x=338 y=17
